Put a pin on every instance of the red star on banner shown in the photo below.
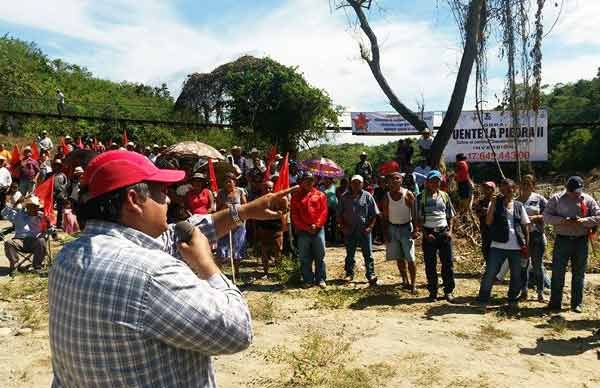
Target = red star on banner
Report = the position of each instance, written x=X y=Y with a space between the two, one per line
x=361 y=122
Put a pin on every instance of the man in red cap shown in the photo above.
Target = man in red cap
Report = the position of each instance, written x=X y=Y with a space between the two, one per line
x=131 y=305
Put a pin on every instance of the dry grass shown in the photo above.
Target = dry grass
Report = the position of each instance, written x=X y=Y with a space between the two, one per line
x=323 y=362
x=337 y=298
x=488 y=335
x=557 y=325
x=28 y=294
x=490 y=332
x=460 y=334
x=263 y=309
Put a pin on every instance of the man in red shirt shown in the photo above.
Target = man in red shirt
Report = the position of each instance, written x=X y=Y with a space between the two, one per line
x=464 y=182
x=309 y=214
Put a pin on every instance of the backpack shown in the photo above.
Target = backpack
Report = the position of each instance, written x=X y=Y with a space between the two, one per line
x=423 y=201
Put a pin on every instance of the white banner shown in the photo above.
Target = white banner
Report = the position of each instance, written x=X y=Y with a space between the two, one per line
x=470 y=139
x=385 y=123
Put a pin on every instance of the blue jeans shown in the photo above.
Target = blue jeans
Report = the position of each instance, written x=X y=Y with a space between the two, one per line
x=365 y=242
x=311 y=247
x=443 y=246
x=565 y=249
x=495 y=260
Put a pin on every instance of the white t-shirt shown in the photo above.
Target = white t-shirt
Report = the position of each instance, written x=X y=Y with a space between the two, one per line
x=5 y=178
x=512 y=243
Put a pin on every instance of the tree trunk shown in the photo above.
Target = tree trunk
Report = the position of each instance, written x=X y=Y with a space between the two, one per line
x=375 y=65
x=474 y=27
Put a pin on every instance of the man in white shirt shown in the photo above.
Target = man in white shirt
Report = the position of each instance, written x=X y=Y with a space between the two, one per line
x=45 y=142
x=254 y=161
x=5 y=181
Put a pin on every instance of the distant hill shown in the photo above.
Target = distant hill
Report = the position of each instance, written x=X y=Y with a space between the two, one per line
x=27 y=73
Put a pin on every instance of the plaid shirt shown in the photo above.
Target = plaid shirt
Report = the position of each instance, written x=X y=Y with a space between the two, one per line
x=125 y=311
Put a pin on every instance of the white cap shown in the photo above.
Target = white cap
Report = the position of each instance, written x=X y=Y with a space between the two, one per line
x=253 y=150
x=78 y=170
x=357 y=178
x=32 y=200
x=131 y=144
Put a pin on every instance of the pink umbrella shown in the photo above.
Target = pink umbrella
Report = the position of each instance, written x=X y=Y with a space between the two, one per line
x=323 y=167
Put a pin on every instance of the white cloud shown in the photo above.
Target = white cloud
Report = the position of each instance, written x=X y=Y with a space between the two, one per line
x=578 y=22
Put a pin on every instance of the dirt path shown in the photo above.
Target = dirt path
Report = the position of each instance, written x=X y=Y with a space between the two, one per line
x=415 y=342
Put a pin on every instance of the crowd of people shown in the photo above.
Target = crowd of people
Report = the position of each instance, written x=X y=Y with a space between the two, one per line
x=151 y=303
x=373 y=206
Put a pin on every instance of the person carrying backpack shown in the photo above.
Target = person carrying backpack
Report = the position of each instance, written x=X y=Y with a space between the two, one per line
x=509 y=232
x=434 y=216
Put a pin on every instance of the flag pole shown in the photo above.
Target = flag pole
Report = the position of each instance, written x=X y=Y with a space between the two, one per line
x=231 y=256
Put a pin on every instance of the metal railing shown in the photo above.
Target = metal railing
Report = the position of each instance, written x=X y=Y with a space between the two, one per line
x=101 y=111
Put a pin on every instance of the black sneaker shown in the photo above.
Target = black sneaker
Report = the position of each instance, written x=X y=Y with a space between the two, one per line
x=373 y=281
x=449 y=297
x=432 y=298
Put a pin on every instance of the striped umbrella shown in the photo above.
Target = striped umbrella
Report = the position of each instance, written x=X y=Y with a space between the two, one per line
x=323 y=167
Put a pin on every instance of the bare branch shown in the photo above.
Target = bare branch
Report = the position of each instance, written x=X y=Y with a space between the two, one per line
x=373 y=60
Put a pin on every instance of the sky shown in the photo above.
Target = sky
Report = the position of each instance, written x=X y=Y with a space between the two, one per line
x=162 y=41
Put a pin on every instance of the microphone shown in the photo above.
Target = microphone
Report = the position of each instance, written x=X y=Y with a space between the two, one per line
x=184 y=231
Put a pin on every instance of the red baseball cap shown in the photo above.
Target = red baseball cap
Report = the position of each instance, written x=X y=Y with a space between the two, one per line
x=116 y=169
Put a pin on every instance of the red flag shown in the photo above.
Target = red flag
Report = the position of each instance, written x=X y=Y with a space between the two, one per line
x=45 y=192
x=35 y=154
x=270 y=159
x=15 y=162
x=64 y=146
x=16 y=155
x=283 y=182
x=125 y=139
x=80 y=143
x=212 y=177
x=583 y=208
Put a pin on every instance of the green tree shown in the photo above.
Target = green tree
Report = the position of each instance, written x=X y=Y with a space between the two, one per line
x=264 y=101
x=572 y=148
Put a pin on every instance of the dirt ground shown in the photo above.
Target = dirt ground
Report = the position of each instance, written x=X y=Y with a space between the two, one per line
x=393 y=338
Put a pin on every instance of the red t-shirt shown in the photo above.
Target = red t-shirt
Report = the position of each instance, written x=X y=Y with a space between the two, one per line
x=309 y=208
x=198 y=202
x=462 y=171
